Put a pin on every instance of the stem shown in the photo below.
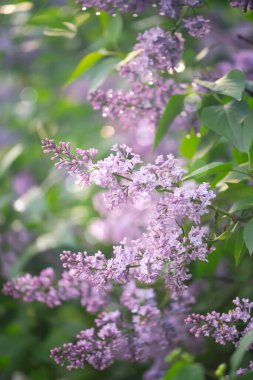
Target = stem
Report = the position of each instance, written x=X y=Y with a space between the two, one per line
x=178 y=23
x=217 y=98
x=223 y=212
x=122 y=176
x=241 y=172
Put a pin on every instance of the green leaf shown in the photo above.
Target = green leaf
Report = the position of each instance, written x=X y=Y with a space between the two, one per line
x=174 y=369
x=232 y=84
x=248 y=236
x=101 y=72
x=213 y=168
x=10 y=157
x=59 y=32
x=189 y=144
x=114 y=29
x=86 y=63
x=207 y=142
x=240 y=352
x=247 y=137
x=242 y=204
x=226 y=120
x=234 y=177
x=173 y=109
x=180 y=371
x=238 y=246
x=225 y=235
x=251 y=156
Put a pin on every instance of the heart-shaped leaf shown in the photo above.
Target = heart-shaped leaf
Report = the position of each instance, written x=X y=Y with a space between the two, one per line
x=231 y=84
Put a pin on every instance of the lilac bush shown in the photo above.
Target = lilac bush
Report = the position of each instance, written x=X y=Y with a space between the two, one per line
x=162 y=213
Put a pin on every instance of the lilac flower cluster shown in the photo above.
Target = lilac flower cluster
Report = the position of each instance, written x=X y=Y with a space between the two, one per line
x=197 y=26
x=244 y=4
x=44 y=288
x=222 y=326
x=138 y=108
x=77 y=165
x=136 y=338
x=225 y=327
x=157 y=51
x=170 y=8
x=164 y=250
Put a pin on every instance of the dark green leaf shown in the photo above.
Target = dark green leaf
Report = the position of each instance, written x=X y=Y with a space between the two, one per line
x=240 y=352
x=226 y=120
x=251 y=156
x=247 y=136
x=238 y=246
x=172 y=110
x=248 y=236
x=232 y=84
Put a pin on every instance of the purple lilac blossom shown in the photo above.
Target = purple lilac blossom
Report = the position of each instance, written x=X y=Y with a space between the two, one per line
x=44 y=288
x=141 y=104
x=225 y=327
x=164 y=249
x=133 y=338
x=157 y=52
x=244 y=4
x=197 y=26
x=170 y=8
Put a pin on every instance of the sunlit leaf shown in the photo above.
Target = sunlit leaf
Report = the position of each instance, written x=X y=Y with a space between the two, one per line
x=189 y=144
x=213 y=168
x=232 y=84
x=57 y=32
x=129 y=57
x=10 y=157
x=86 y=63
x=181 y=371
